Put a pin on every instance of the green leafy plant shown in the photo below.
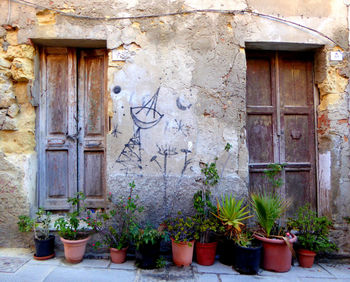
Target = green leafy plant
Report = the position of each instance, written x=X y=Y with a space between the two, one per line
x=206 y=222
x=40 y=225
x=115 y=225
x=147 y=235
x=312 y=230
x=161 y=262
x=73 y=225
x=181 y=229
x=272 y=174
x=268 y=208
x=232 y=213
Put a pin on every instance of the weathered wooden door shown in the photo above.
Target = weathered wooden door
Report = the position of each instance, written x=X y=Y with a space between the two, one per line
x=280 y=122
x=72 y=124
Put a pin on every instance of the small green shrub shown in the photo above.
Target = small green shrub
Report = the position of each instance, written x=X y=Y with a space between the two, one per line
x=312 y=230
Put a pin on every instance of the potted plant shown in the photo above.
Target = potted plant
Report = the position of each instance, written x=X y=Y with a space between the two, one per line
x=40 y=225
x=147 y=242
x=240 y=250
x=73 y=235
x=207 y=225
x=278 y=248
x=114 y=226
x=312 y=234
x=247 y=253
x=181 y=231
x=206 y=222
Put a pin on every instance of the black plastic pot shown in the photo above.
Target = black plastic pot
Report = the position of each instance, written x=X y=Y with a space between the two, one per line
x=247 y=259
x=146 y=256
x=226 y=251
x=45 y=248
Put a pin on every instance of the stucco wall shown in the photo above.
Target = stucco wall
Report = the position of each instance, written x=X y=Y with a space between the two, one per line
x=197 y=61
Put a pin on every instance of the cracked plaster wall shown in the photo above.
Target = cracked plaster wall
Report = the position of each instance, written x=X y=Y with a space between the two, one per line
x=198 y=63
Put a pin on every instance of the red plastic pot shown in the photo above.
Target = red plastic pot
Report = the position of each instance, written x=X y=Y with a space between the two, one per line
x=277 y=255
x=182 y=252
x=306 y=258
x=118 y=256
x=206 y=252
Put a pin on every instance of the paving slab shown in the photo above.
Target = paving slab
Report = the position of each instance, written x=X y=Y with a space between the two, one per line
x=28 y=273
x=95 y=263
x=217 y=267
x=205 y=277
x=66 y=274
x=128 y=265
x=53 y=261
x=11 y=264
x=338 y=270
x=300 y=272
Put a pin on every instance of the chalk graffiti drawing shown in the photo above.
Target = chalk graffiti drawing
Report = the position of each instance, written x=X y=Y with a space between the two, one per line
x=115 y=131
x=144 y=117
x=180 y=106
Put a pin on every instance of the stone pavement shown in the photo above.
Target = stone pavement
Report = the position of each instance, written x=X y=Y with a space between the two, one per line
x=21 y=267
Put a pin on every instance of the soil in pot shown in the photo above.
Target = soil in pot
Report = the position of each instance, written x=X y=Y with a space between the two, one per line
x=205 y=253
x=306 y=258
x=247 y=259
x=276 y=254
x=74 y=250
x=182 y=252
x=45 y=249
x=226 y=251
x=118 y=256
x=147 y=255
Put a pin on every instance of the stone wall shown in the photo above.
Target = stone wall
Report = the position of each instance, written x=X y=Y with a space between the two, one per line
x=194 y=64
x=17 y=136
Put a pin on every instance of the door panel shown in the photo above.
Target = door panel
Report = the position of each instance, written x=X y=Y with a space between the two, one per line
x=260 y=134
x=92 y=125
x=57 y=112
x=287 y=137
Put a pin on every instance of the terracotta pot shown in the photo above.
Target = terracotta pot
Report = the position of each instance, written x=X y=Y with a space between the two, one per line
x=118 y=256
x=182 y=252
x=74 y=250
x=206 y=252
x=277 y=255
x=306 y=258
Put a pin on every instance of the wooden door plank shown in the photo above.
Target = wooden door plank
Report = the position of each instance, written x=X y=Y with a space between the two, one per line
x=57 y=150
x=92 y=102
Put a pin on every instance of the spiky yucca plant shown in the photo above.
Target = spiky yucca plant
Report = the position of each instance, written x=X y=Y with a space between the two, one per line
x=232 y=214
x=268 y=209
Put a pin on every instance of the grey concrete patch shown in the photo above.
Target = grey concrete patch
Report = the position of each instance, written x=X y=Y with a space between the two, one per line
x=11 y=264
x=229 y=278
x=89 y=275
x=128 y=265
x=338 y=270
x=217 y=267
x=181 y=273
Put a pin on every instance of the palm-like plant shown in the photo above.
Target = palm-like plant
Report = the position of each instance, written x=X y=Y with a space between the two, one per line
x=232 y=214
x=268 y=208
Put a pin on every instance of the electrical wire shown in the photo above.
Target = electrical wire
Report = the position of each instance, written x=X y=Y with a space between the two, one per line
x=186 y=12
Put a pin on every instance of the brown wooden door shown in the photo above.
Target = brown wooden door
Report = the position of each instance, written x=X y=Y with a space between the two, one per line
x=72 y=124
x=280 y=122
x=92 y=125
